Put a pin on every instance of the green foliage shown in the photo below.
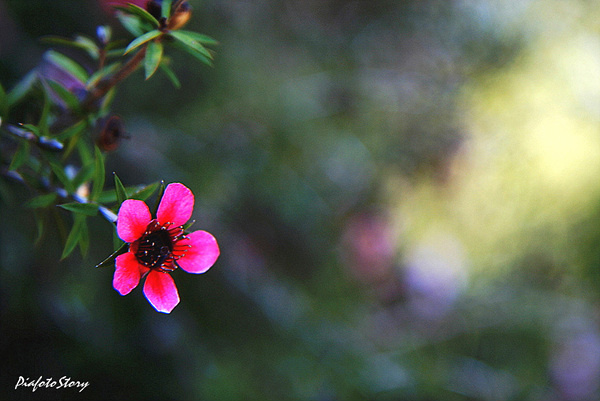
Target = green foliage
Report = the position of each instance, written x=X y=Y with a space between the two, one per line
x=166 y=9
x=154 y=53
x=78 y=235
x=192 y=46
x=99 y=174
x=137 y=42
x=68 y=65
x=20 y=156
x=143 y=15
x=42 y=200
x=120 y=191
x=79 y=42
x=88 y=209
x=67 y=96
x=21 y=89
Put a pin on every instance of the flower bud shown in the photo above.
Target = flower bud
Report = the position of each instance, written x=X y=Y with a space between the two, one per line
x=111 y=133
x=103 y=32
x=180 y=15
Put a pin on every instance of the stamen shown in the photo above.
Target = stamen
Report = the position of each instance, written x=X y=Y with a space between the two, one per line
x=159 y=247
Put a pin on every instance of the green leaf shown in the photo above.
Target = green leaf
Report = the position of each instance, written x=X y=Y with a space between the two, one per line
x=31 y=128
x=72 y=135
x=201 y=38
x=132 y=24
x=74 y=235
x=80 y=42
x=144 y=192
x=139 y=12
x=59 y=172
x=142 y=39
x=68 y=65
x=42 y=201
x=110 y=261
x=85 y=153
x=88 y=45
x=187 y=40
x=43 y=124
x=98 y=174
x=21 y=89
x=161 y=191
x=108 y=99
x=166 y=9
x=71 y=131
x=100 y=74
x=120 y=190
x=154 y=53
x=193 y=52
x=20 y=156
x=171 y=75
x=68 y=97
x=89 y=209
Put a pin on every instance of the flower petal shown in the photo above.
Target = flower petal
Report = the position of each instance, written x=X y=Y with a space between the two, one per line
x=132 y=220
x=176 y=205
x=127 y=273
x=202 y=254
x=161 y=292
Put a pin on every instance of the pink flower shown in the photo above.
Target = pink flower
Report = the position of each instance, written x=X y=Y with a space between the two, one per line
x=159 y=246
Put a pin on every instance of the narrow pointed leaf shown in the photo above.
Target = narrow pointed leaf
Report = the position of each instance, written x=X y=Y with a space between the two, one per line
x=166 y=9
x=132 y=24
x=190 y=42
x=42 y=201
x=161 y=191
x=120 y=190
x=71 y=131
x=171 y=75
x=80 y=42
x=98 y=174
x=20 y=156
x=145 y=192
x=43 y=123
x=68 y=97
x=98 y=75
x=59 y=172
x=89 y=209
x=139 y=12
x=21 y=89
x=154 y=53
x=193 y=52
x=200 y=38
x=142 y=39
x=67 y=64
x=88 y=45
x=74 y=235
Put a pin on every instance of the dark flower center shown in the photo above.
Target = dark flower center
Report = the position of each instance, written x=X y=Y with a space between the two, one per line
x=158 y=248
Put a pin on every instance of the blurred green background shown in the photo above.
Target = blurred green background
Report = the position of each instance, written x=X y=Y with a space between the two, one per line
x=406 y=195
